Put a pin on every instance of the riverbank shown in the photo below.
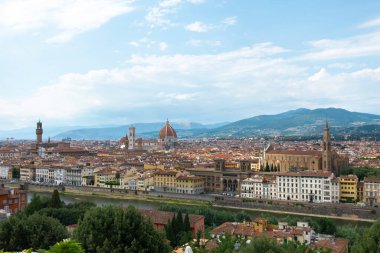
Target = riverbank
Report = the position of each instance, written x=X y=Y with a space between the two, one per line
x=140 y=197
x=296 y=214
x=143 y=198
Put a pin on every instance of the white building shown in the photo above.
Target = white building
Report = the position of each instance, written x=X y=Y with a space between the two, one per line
x=307 y=186
x=74 y=176
x=5 y=170
x=45 y=175
x=259 y=187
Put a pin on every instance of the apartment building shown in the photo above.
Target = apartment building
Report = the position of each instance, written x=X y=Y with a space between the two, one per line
x=190 y=184
x=348 y=188
x=372 y=191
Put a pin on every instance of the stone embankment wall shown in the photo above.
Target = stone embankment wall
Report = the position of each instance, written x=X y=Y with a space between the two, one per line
x=330 y=209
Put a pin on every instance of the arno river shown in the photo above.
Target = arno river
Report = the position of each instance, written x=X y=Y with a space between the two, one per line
x=102 y=201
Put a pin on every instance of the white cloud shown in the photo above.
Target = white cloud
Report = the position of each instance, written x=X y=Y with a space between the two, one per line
x=198 y=27
x=199 y=43
x=230 y=20
x=357 y=46
x=201 y=27
x=196 y=1
x=158 y=16
x=134 y=43
x=370 y=23
x=68 y=18
x=163 y=46
x=322 y=73
x=170 y=3
x=227 y=85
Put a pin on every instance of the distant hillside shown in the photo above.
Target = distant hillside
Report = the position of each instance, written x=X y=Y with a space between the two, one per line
x=144 y=130
x=296 y=122
x=300 y=122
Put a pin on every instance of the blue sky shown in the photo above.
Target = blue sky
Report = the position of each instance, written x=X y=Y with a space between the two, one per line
x=105 y=62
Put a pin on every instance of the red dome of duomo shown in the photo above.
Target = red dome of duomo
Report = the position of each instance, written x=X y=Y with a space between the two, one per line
x=167 y=131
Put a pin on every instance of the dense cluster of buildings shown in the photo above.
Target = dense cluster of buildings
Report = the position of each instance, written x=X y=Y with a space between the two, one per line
x=246 y=168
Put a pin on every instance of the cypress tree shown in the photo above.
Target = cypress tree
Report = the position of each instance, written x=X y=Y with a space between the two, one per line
x=267 y=167
x=187 y=223
x=56 y=200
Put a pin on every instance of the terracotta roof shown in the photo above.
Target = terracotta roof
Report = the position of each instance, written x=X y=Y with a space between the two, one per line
x=166 y=173
x=306 y=174
x=212 y=244
x=337 y=245
x=161 y=217
x=372 y=179
x=295 y=152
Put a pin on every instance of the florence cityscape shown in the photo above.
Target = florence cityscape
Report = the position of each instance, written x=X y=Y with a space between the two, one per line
x=189 y=126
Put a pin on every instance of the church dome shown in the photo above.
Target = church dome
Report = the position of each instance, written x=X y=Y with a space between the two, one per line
x=167 y=131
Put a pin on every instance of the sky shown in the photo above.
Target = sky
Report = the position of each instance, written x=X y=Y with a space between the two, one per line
x=113 y=62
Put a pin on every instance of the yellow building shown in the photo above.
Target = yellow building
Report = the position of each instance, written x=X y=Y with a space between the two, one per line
x=348 y=188
x=372 y=191
x=255 y=165
x=165 y=181
x=148 y=166
x=190 y=184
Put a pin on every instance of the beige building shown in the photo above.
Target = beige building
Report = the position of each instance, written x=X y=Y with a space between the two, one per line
x=27 y=174
x=372 y=191
x=190 y=184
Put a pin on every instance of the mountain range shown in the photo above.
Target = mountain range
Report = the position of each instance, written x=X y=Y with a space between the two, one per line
x=300 y=122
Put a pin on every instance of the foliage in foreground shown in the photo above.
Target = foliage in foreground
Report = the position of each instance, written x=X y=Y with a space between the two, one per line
x=67 y=214
x=114 y=229
x=178 y=230
x=35 y=231
x=261 y=245
x=369 y=241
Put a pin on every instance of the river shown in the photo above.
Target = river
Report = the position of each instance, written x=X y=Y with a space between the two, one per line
x=140 y=204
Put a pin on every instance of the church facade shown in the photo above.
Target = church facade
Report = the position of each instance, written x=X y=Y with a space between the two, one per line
x=324 y=160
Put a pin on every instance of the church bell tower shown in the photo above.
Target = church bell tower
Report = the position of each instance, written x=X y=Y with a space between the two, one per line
x=39 y=132
x=326 y=152
x=132 y=137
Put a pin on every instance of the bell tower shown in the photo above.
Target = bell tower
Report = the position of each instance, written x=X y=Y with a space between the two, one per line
x=39 y=132
x=132 y=137
x=326 y=152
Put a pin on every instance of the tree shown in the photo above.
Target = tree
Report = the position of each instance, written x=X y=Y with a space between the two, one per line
x=36 y=231
x=267 y=167
x=198 y=241
x=186 y=223
x=114 y=229
x=324 y=226
x=16 y=173
x=369 y=241
x=55 y=200
x=66 y=246
x=36 y=204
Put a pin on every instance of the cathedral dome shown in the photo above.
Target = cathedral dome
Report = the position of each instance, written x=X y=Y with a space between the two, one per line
x=167 y=131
